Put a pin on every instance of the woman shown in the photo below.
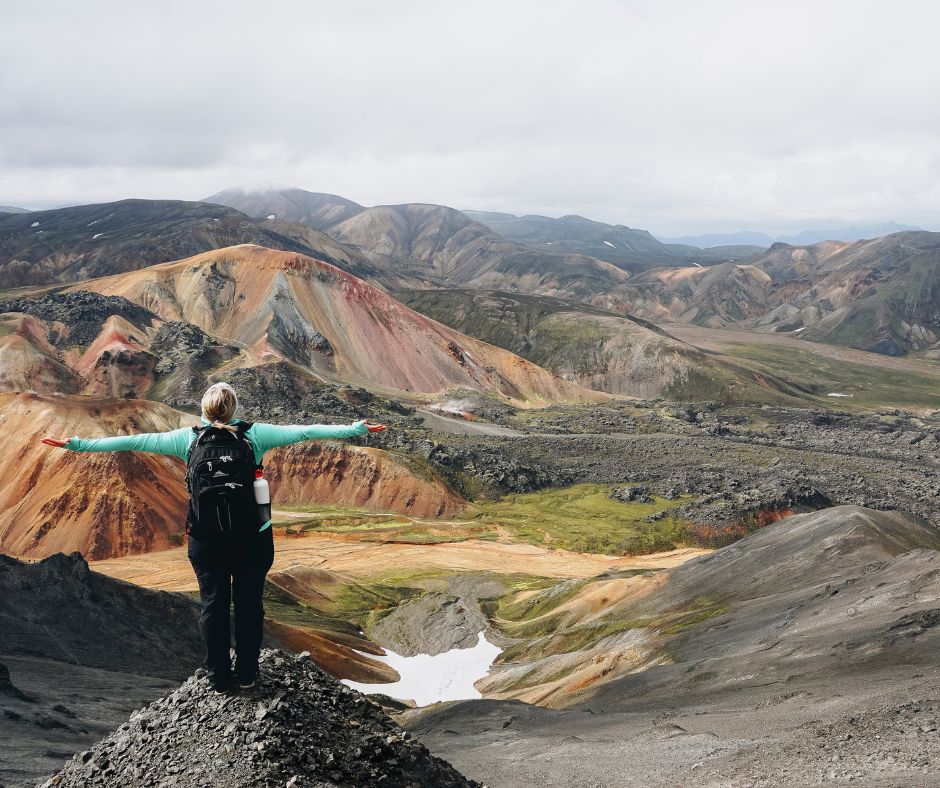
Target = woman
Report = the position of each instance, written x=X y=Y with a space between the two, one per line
x=229 y=567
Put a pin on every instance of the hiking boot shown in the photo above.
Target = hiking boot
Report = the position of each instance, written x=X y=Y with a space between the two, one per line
x=223 y=686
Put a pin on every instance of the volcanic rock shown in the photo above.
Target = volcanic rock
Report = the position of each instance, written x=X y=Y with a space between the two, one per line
x=297 y=727
x=636 y=493
x=81 y=314
x=6 y=686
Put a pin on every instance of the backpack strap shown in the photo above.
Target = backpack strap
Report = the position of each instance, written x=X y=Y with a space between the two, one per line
x=243 y=427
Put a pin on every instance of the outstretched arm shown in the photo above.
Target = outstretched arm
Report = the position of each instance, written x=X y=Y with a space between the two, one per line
x=270 y=436
x=173 y=443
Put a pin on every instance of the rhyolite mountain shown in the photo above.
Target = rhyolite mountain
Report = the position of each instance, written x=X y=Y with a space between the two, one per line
x=86 y=343
x=12 y=209
x=107 y=504
x=436 y=242
x=68 y=244
x=708 y=296
x=878 y=295
x=101 y=504
x=277 y=304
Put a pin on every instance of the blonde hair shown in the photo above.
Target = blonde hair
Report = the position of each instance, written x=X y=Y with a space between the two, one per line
x=219 y=404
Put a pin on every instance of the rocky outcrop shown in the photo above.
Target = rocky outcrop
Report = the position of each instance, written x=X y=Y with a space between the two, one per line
x=298 y=727
x=117 y=363
x=6 y=686
x=79 y=316
x=186 y=357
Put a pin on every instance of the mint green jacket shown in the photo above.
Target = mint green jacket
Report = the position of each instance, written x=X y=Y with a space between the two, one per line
x=263 y=437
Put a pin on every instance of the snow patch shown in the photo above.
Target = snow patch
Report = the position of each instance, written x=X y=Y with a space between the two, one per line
x=35 y=224
x=698 y=265
x=426 y=679
x=94 y=222
x=96 y=235
x=837 y=394
x=610 y=244
x=270 y=215
x=798 y=330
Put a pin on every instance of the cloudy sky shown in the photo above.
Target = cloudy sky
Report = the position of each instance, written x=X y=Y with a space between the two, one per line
x=677 y=117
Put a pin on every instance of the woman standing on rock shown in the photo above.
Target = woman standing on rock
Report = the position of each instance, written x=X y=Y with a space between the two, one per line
x=230 y=548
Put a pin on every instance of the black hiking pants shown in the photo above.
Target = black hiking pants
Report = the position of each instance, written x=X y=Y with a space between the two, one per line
x=232 y=570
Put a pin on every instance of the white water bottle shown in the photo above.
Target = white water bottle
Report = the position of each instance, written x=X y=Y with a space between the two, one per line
x=262 y=498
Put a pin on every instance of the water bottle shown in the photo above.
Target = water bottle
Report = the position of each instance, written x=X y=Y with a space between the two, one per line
x=262 y=498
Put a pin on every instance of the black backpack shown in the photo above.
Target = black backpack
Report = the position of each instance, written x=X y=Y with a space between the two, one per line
x=220 y=472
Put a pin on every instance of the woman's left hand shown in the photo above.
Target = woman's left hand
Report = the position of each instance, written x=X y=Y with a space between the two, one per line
x=374 y=427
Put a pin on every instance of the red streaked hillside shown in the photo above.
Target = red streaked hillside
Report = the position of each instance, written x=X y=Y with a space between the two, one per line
x=342 y=328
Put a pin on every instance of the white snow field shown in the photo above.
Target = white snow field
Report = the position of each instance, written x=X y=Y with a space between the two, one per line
x=426 y=679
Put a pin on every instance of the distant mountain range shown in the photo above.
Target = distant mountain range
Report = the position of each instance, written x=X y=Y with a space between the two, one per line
x=804 y=238
x=628 y=248
x=12 y=209
x=875 y=295
x=433 y=242
x=879 y=295
x=80 y=242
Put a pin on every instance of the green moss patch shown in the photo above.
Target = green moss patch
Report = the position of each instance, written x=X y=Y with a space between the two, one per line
x=584 y=518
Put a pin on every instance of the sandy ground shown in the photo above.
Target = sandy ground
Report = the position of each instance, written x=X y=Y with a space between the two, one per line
x=169 y=570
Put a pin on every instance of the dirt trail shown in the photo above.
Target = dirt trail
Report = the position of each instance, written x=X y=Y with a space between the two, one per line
x=169 y=570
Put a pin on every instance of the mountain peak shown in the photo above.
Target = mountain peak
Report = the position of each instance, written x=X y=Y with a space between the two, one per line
x=297 y=727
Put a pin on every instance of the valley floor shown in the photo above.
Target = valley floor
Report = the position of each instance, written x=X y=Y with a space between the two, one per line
x=170 y=570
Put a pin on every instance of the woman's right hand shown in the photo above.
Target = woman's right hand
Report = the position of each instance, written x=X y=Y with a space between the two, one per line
x=54 y=442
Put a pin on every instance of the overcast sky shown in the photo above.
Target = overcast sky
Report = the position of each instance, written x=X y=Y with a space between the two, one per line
x=677 y=117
